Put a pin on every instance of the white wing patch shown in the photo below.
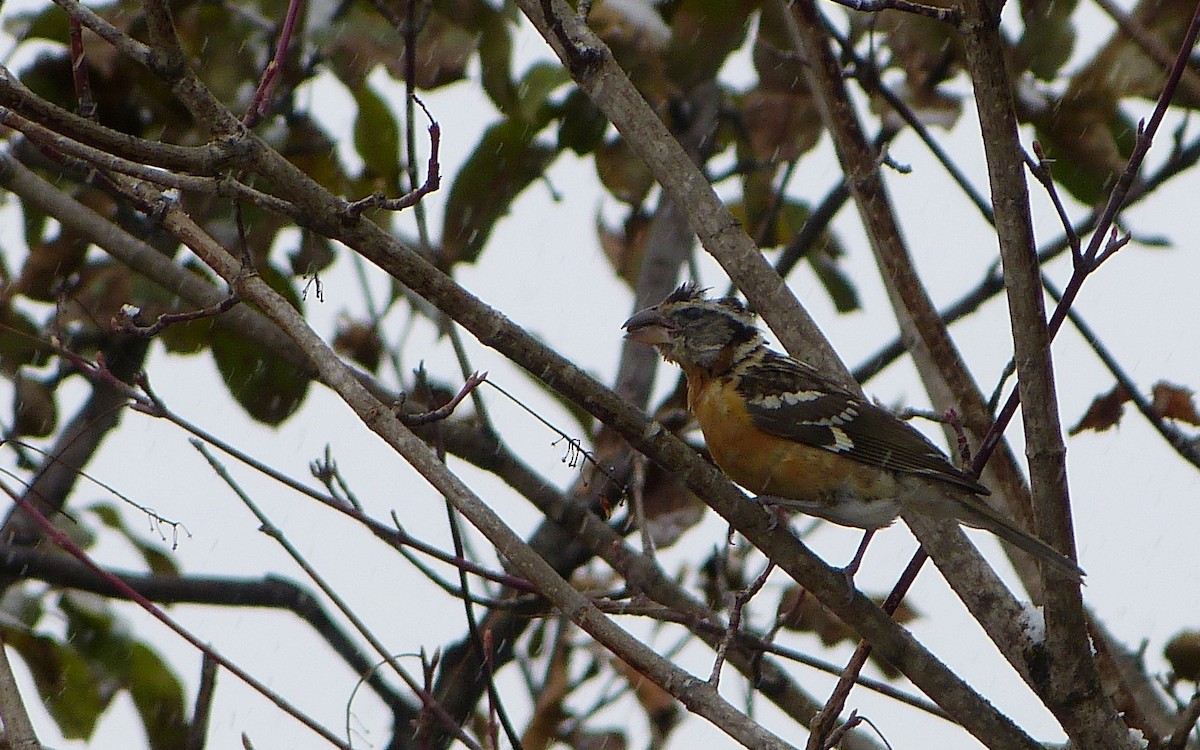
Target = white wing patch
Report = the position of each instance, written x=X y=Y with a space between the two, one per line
x=841 y=441
x=779 y=400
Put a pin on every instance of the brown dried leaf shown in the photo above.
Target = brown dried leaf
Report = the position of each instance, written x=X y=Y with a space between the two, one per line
x=1175 y=402
x=49 y=263
x=800 y=612
x=782 y=125
x=103 y=289
x=1123 y=68
x=548 y=714
x=1182 y=652
x=360 y=342
x=1105 y=411
x=661 y=707
x=670 y=507
x=609 y=739
x=625 y=247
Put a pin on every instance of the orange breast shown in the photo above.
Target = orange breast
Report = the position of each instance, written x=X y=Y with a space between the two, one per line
x=765 y=464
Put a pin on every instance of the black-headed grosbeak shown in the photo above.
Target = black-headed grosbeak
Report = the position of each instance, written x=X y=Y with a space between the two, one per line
x=780 y=429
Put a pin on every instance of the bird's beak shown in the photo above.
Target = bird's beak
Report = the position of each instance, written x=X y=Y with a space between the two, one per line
x=648 y=327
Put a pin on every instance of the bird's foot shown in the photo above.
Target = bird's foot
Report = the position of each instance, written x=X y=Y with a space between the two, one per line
x=855 y=563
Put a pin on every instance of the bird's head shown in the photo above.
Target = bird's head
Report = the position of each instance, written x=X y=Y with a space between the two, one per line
x=695 y=332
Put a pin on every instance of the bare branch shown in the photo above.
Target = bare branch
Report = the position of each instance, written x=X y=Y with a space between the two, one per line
x=18 y=729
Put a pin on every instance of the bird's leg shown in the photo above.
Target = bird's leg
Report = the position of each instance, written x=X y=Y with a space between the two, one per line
x=856 y=561
x=781 y=507
x=778 y=508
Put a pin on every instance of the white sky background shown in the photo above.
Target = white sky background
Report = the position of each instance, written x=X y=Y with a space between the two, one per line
x=1135 y=501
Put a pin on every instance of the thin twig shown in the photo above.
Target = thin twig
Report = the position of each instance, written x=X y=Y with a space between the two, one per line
x=261 y=100
x=1039 y=167
x=483 y=641
x=270 y=529
x=147 y=402
x=124 y=321
x=64 y=541
x=1186 y=722
x=735 y=620
x=472 y=382
x=433 y=179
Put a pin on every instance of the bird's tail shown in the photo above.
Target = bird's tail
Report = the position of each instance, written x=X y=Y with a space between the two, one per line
x=978 y=514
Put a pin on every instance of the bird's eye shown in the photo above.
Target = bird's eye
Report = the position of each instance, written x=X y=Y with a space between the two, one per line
x=691 y=313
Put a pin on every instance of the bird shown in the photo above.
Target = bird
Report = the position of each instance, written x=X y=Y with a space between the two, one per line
x=792 y=436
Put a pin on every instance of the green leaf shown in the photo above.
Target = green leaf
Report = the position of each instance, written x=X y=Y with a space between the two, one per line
x=837 y=284
x=703 y=34
x=35 y=409
x=123 y=662
x=534 y=91
x=20 y=343
x=1155 y=241
x=503 y=164
x=269 y=388
x=377 y=137
x=50 y=23
x=581 y=124
x=314 y=253
x=1088 y=143
x=310 y=148
x=1049 y=36
x=622 y=171
x=65 y=683
x=495 y=64
x=158 y=695
x=822 y=255
x=34 y=222
x=24 y=605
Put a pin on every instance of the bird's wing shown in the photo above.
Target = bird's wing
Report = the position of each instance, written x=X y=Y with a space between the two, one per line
x=790 y=399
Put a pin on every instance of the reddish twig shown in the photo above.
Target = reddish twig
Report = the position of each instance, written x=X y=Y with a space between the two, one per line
x=433 y=178
x=266 y=85
x=446 y=409
x=836 y=735
x=125 y=322
x=79 y=70
x=1040 y=169
x=823 y=722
